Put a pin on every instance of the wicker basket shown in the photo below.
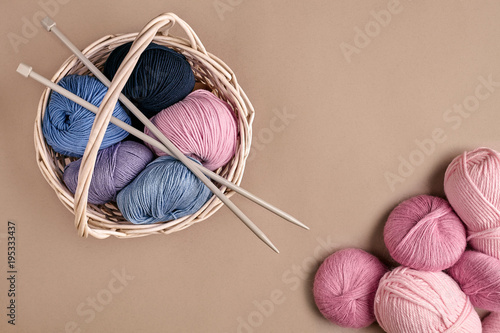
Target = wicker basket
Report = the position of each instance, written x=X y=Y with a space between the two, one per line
x=102 y=221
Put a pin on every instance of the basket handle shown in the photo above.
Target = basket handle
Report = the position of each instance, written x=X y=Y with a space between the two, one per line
x=161 y=23
x=194 y=40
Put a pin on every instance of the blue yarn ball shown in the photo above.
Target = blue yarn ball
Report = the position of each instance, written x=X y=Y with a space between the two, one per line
x=115 y=167
x=66 y=125
x=161 y=77
x=165 y=190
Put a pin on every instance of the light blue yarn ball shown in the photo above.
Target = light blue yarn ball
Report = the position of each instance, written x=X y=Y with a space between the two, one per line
x=165 y=190
x=66 y=125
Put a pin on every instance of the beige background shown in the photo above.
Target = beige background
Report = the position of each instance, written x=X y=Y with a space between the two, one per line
x=352 y=123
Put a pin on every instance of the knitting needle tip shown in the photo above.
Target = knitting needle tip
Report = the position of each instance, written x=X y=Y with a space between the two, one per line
x=304 y=226
x=300 y=224
x=266 y=240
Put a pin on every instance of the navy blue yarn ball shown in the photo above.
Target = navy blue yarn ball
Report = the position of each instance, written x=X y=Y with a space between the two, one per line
x=161 y=77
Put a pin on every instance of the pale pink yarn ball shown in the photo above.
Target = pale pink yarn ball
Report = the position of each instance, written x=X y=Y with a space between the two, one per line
x=345 y=286
x=424 y=233
x=478 y=275
x=412 y=301
x=472 y=185
x=491 y=323
x=201 y=126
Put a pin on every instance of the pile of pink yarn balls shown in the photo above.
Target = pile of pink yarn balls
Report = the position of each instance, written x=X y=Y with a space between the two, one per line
x=449 y=256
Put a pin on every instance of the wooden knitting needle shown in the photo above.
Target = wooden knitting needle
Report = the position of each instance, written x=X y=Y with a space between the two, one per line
x=27 y=71
x=50 y=26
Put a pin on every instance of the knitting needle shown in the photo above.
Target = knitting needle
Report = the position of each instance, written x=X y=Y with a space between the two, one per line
x=50 y=26
x=27 y=71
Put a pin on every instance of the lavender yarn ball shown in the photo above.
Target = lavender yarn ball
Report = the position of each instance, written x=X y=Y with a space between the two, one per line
x=424 y=233
x=115 y=167
x=345 y=286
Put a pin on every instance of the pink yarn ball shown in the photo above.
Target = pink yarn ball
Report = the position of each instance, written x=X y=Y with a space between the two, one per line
x=491 y=323
x=424 y=233
x=345 y=286
x=412 y=301
x=472 y=185
x=478 y=275
x=201 y=126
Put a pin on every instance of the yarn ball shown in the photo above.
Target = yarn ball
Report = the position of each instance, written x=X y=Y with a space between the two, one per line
x=413 y=301
x=425 y=233
x=478 y=275
x=66 y=125
x=491 y=323
x=161 y=77
x=115 y=168
x=472 y=185
x=201 y=126
x=345 y=286
x=165 y=190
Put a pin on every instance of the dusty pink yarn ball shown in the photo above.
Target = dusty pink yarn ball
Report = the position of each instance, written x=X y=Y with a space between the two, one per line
x=478 y=275
x=491 y=323
x=412 y=301
x=424 y=233
x=472 y=186
x=345 y=286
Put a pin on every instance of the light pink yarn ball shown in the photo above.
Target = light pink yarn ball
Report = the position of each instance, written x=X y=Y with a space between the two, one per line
x=412 y=301
x=345 y=286
x=478 y=275
x=424 y=233
x=491 y=323
x=201 y=126
x=472 y=185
